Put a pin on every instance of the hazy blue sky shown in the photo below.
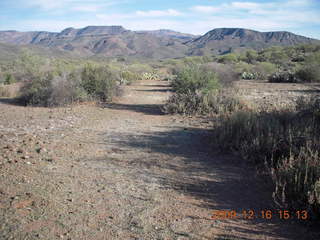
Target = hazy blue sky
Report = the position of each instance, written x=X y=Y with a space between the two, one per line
x=191 y=16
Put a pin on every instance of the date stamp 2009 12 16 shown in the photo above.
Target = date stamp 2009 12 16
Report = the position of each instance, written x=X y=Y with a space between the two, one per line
x=263 y=214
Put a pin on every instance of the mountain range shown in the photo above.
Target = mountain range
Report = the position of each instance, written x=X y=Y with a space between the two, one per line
x=115 y=41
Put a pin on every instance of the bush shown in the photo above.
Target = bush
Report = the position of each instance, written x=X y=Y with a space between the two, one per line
x=228 y=58
x=250 y=56
x=150 y=76
x=128 y=77
x=195 y=79
x=264 y=69
x=249 y=75
x=99 y=82
x=225 y=73
x=310 y=72
x=9 y=79
x=96 y=83
x=287 y=142
x=283 y=77
x=221 y=101
x=261 y=70
x=49 y=90
x=38 y=90
x=67 y=89
x=241 y=67
x=197 y=91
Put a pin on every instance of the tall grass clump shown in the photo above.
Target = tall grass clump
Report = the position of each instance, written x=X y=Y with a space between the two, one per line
x=286 y=142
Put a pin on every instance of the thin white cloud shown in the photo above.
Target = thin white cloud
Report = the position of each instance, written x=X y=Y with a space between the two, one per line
x=86 y=8
x=245 y=5
x=159 y=13
x=205 y=9
x=298 y=3
x=47 y=4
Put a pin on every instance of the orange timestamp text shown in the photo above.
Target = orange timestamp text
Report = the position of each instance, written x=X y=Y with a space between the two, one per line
x=262 y=214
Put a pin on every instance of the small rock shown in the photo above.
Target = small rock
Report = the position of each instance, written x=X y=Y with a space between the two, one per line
x=28 y=163
x=38 y=150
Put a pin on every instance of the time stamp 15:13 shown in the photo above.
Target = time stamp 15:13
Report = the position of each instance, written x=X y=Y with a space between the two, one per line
x=262 y=214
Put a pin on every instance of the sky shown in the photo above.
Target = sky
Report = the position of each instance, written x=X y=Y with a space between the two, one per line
x=188 y=16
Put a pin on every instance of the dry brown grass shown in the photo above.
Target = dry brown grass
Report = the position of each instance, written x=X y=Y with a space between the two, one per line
x=10 y=91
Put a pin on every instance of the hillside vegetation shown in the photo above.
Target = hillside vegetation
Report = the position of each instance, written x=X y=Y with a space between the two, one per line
x=61 y=81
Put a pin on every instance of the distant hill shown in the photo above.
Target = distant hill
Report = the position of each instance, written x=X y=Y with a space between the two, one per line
x=225 y=40
x=171 y=34
x=112 y=41
x=107 y=41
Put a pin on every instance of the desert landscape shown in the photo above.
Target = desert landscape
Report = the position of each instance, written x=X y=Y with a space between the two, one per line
x=112 y=133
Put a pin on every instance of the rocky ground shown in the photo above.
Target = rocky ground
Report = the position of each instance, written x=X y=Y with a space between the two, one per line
x=125 y=171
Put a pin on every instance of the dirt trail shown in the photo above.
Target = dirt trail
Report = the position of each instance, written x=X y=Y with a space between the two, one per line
x=126 y=171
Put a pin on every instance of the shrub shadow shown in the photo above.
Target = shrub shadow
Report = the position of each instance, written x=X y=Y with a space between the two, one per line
x=149 y=109
x=155 y=90
x=13 y=101
x=186 y=163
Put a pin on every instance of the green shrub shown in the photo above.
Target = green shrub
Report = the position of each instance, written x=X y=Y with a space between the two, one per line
x=310 y=72
x=150 y=76
x=286 y=142
x=99 y=82
x=221 y=101
x=228 y=58
x=195 y=79
x=241 y=67
x=198 y=91
x=38 y=90
x=225 y=72
x=283 y=77
x=249 y=75
x=264 y=69
x=128 y=77
x=250 y=56
x=48 y=90
x=67 y=89
x=9 y=79
x=96 y=83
